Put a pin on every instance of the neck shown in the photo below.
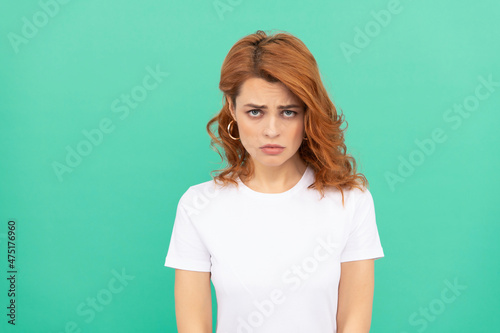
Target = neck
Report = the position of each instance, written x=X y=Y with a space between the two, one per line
x=276 y=179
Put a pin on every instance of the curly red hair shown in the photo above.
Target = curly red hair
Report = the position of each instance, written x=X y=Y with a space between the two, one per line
x=284 y=58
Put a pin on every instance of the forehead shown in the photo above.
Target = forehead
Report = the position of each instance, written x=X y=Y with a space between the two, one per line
x=260 y=91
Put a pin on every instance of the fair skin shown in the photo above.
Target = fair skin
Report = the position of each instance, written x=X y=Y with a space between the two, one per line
x=268 y=113
x=193 y=301
x=355 y=301
x=273 y=123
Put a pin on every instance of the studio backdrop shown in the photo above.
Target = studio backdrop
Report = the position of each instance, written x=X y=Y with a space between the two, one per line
x=103 y=108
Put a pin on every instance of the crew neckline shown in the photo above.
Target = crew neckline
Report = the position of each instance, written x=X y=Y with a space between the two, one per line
x=305 y=180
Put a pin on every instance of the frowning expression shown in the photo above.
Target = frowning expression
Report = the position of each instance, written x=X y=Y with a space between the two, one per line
x=269 y=114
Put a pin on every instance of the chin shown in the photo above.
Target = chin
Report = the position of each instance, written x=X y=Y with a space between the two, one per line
x=273 y=161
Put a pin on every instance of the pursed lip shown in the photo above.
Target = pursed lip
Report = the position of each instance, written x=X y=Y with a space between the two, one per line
x=272 y=146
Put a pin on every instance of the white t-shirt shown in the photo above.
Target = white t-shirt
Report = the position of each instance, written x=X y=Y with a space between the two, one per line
x=274 y=258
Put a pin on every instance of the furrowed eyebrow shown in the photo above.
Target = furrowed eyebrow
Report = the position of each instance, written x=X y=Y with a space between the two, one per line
x=290 y=106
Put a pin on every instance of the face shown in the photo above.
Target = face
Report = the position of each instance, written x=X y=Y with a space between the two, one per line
x=269 y=114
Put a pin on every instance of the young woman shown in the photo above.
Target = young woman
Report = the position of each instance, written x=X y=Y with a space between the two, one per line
x=287 y=231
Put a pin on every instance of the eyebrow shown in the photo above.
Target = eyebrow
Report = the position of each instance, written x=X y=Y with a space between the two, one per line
x=279 y=107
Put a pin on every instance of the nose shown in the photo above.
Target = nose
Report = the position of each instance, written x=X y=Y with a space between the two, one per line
x=271 y=127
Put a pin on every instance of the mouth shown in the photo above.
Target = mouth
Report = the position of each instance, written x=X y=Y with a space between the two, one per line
x=272 y=146
x=272 y=149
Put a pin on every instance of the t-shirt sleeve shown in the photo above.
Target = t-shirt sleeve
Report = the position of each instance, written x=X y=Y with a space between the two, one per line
x=363 y=240
x=187 y=250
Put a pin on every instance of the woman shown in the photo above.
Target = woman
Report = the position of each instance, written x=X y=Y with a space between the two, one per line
x=287 y=231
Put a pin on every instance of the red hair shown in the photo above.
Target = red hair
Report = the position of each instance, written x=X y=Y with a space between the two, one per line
x=284 y=58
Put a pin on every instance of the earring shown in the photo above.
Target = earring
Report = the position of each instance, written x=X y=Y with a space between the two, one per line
x=229 y=130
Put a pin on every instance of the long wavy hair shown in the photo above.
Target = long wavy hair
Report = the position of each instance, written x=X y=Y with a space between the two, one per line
x=284 y=58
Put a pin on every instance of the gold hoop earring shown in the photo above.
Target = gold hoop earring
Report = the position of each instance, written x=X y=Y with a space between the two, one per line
x=229 y=130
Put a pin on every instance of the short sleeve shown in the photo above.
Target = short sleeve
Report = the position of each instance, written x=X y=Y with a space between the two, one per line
x=186 y=250
x=363 y=240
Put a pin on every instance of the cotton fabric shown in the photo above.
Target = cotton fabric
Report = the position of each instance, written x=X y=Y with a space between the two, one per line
x=274 y=258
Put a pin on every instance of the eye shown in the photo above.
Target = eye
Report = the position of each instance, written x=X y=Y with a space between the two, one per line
x=288 y=113
x=253 y=114
x=291 y=114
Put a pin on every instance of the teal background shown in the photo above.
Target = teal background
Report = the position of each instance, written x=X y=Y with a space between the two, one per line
x=115 y=210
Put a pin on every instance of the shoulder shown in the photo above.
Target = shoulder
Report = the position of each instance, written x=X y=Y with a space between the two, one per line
x=362 y=193
x=362 y=203
x=351 y=195
x=205 y=191
x=358 y=198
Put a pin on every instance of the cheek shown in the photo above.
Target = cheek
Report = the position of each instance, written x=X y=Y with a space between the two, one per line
x=247 y=133
x=243 y=127
x=298 y=130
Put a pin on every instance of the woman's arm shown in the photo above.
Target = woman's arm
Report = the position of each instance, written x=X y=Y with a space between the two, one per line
x=356 y=285
x=193 y=301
